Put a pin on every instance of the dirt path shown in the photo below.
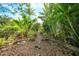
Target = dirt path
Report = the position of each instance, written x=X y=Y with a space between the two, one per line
x=35 y=48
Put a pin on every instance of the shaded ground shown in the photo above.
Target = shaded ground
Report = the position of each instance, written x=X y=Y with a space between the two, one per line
x=36 y=48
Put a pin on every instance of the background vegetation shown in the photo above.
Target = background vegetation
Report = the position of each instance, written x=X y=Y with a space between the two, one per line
x=60 y=22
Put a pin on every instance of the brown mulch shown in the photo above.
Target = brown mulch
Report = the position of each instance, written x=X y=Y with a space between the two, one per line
x=35 y=48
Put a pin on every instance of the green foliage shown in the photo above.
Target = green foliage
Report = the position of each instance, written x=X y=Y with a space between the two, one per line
x=11 y=28
x=61 y=20
x=32 y=35
x=2 y=41
x=35 y=27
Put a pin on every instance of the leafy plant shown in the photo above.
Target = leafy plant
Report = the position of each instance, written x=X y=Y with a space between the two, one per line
x=60 y=20
x=31 y=35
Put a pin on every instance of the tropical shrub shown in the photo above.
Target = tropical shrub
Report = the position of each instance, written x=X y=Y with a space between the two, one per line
x=11 y=29
x=61 y=21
